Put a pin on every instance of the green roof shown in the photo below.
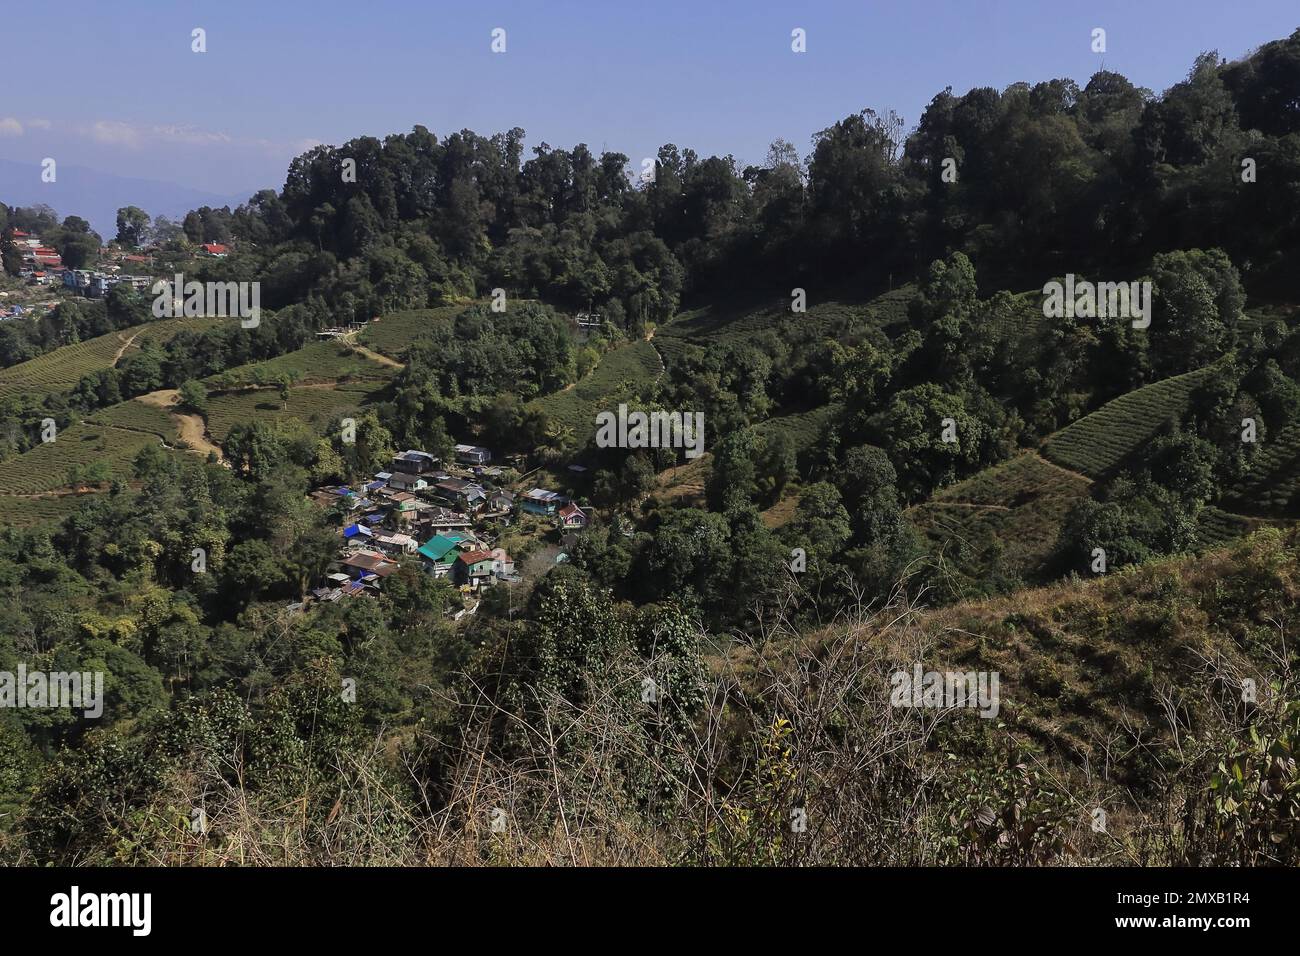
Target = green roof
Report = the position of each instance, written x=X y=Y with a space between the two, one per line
x=436 y=548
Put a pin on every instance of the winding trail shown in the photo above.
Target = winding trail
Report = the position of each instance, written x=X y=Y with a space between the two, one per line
x=192 y=428
x=351 y=339
x=960 y=504
x=663 y=366
x=130 y=340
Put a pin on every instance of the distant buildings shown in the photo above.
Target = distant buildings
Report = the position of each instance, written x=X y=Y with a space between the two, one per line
x=466 y=495
x=96 y=285
x=587 y=321
x=404 y=481
x=441 y=551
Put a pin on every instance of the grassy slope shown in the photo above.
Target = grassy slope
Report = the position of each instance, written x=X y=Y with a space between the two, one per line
x=1079 y=659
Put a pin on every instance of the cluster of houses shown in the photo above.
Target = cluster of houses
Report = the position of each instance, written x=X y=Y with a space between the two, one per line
x=418 y=509
x=95 y=285
x=42 y=265
x=37 y=257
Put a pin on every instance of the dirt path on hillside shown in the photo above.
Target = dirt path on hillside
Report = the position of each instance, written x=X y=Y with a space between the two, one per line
x=1051 y=464
x=960 y=504
x=192 y=428
x=126 y=345
x=164 y=398
x=351 y=340
x=194 y=432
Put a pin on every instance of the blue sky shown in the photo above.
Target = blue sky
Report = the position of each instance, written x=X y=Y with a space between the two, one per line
x=114 y=86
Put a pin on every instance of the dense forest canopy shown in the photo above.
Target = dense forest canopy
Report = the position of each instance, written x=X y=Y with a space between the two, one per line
x=1049 y=177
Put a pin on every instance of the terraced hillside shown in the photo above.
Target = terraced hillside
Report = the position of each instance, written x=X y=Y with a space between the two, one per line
x=314 y=404
x=1260 y=315
x=64 y=367
x=137 y=416
x=1098 y=442
x=393 y=333
x=1025 y=322
x=625 y=373
x=93 y=452
x=721 y=323
x=328 y=361
x=47 y=483
x=329 y=378
x=1010 y=513
x=803 y=429
x=1216 y=527
x=1079 y=659
x=1273 y=486
x=32 y=512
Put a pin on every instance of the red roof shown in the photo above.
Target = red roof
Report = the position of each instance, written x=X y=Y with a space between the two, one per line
x=474 y=557
x=569 y=510
x=215 y=248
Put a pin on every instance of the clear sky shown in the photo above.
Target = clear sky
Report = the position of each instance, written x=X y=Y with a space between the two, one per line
x=113 y=85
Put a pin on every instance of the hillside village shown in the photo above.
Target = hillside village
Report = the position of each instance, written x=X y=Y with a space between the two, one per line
x=448 y=516
x=43 y=271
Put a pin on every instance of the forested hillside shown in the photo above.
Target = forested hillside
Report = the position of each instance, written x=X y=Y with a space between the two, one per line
x=908 y=457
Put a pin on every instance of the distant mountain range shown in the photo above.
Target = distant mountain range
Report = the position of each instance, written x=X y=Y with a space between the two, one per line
x=96 y=196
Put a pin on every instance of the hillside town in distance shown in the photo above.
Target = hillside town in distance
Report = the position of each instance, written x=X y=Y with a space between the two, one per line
x=445 y=515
